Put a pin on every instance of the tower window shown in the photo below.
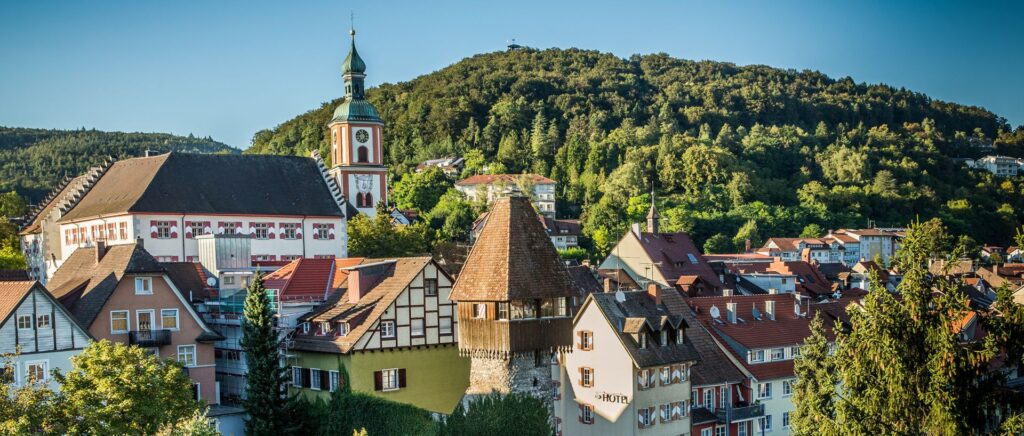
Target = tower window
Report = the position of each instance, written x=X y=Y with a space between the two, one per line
x=363 y=155
x=364 y=200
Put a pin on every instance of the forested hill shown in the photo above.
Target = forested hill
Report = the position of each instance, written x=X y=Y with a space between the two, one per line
x=734 y=152
x=32 y=161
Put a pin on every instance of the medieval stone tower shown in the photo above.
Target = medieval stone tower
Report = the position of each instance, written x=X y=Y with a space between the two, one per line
x=515 y=301
x=357 y=154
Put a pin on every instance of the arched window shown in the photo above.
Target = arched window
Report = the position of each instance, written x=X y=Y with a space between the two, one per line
x=364 y=200
x=359 y=199
x=363 y=155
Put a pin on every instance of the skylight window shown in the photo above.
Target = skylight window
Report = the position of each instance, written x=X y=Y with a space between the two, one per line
x=693 y=259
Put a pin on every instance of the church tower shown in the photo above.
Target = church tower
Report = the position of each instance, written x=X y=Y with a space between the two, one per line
x=357 y=154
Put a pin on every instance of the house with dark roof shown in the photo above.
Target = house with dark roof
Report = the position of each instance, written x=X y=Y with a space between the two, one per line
x=492 y=186
x=630 y=368
x=37 y=332
x=782 y=276
x=671 y=260
x=40 y=236
x=123 y=294
x=389 y=322
x=286 y=205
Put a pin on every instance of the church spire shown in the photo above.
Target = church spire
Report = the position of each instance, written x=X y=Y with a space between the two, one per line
x=652 y=216
x=353 y=70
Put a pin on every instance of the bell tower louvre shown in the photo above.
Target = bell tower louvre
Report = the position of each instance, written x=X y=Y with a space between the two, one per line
x=357 y=154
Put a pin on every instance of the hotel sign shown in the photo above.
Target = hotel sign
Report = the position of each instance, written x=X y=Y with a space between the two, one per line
x=609 y=397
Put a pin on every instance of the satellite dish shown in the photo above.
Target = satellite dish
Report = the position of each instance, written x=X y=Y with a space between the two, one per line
x=211 y=281
x=620 y=296
x=715 y=313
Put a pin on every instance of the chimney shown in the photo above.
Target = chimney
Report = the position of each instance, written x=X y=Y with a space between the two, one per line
x=101 y=250
x=654 y=292
x=357 y=286
x=730 y=307
x=139 y=242
x=746 y=245
x=726 y=292
x=363 y=278
x=608 y=285
x=769 y=309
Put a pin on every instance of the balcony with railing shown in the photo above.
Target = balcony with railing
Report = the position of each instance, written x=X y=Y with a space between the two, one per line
x=740 y=413
x=149 y=338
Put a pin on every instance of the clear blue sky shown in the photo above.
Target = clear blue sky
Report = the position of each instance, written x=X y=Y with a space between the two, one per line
x=229 y=68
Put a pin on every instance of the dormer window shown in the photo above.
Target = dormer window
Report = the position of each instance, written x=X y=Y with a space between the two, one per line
x=680 y=336
x=342 y=329
x=643 y=340
x=305 y=327
x=664 y=337
x=325 y=328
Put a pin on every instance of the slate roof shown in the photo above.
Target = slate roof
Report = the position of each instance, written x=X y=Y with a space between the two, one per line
x=673 y=251
x=564 y=227
x=362 y=315
x=209 y=183
x=487 y=179
x=714 y=367
x=638 y=311
x=584 y=280
x=512 y=259
x=83 y=285
x=190 y=278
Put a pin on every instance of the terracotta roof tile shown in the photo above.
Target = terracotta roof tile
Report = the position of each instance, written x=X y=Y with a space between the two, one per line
x=675 y=255
x=512 y=259
x=11 y=293
x=486 y=179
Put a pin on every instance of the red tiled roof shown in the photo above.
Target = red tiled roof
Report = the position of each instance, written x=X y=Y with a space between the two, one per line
x=307 y=278
x=673 y=251
x=736 y=256
x=11 y=293
x=486 y=179
x=793 y=244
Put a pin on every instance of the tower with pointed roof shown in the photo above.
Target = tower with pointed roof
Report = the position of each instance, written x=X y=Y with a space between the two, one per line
x=357 y=153
x=515 y=302
x=652 y=216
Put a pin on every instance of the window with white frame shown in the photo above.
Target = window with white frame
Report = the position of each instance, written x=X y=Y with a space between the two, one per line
x=163 y=229
x=335 y=378
x=723 y=396
x=143 y=286
x=741 y=429
x=795 y=351
x=262 y=230
x=289 y=231
x=787 y=387
x=706 y=431
x=169 y=319
x=389 y=379
x=230 y=228
x=297 y=376
x=416 y=327
x=645 y=417
x=118 y=321
x=764 y=390
x=36 y=371
x=322 y=231
x=314 y=379
x=387 y=329
x=587 y=413
x=187 y=355
x=444 y=325
x=765 y=423
x=342 y=329
x=198 y=228
x=586 y=377
x=479 y=310
x=43 y=321
x=756 y=356
x=709 y=399
x=720 y=430
x=122 y=230
x=586 y=340
x=778 y=353
x=24 y=322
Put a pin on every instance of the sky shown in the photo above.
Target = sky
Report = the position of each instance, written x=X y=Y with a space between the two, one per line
x=228 y=69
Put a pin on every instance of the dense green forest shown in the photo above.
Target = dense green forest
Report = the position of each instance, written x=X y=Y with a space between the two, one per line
x=734 y=152
x=33 y=161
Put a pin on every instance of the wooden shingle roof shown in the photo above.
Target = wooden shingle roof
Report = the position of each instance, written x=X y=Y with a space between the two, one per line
x=512 y=259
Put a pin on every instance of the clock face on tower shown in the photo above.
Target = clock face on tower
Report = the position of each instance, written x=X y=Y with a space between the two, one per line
x=362 y=136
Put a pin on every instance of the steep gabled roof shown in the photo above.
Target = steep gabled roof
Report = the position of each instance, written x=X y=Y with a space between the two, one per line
x=512 y=259
x=364 y=313
x=634 y=311
x=12 y=293
x=675 y=255
x=208 y=183
x=55 y=199
x=83 y=285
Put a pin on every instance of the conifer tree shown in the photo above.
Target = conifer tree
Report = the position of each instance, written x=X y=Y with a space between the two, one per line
x=267 y=401
x=814 y=394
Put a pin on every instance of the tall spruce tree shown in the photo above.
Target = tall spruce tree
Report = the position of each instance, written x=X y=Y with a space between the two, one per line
x=909 y=363
x=814 y=394
x=267 y=400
